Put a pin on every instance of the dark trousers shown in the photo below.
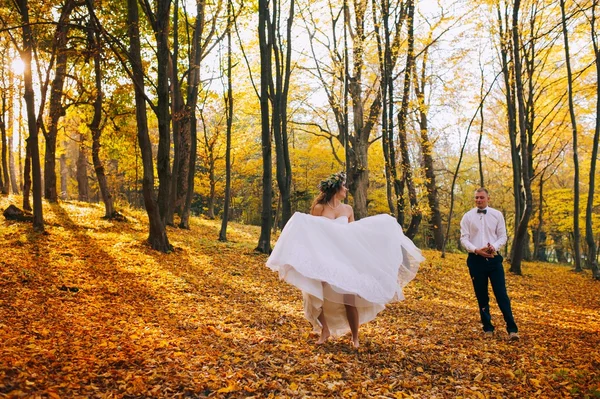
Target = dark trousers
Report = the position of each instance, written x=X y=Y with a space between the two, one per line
x=481 y=270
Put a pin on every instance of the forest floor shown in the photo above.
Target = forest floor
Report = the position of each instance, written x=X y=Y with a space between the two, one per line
x=87 y=310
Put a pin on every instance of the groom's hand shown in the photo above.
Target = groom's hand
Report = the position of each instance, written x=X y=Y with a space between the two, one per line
x=484 y=252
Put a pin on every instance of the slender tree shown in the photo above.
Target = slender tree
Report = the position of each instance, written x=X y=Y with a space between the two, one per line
x=160 y=25
x=83 y=185
x=185 y=103
x=32 y=140
x=264 y=241
x=56 y=109
x=95 y=125
x=576 y=232
x=279 y=84
x=388 y=45
x=406 y=167
x=520 y=239
x=427 y=152
x=158 y=236
x=589 y=232
x=504 y=36
x=364 y=118
x=27 y=181
x=229 y=111
x=11 y=158
x=4 y=178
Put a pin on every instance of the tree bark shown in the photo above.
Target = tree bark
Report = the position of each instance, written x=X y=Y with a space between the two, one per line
x=279 y=90
x=64 y=177
x=264 y=241
x=388 y=45
x=180 y=132
x=407 y=175
x=56 y=110
x=539 y=236
x=229 y=111
x=32 y=140
x=96 y=130
x=511 y=110
x=158 y=235
x=27 y=178
x=520 y=239
x=357 y=156
x=83 y=186
x=427 y=157
x=4 y=179
x=11 y=165
x=189 y=120
x=163 y=113
x=589 y=209
x=576 y=232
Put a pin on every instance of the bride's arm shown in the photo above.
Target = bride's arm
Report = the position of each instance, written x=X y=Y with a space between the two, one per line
x=351 y=217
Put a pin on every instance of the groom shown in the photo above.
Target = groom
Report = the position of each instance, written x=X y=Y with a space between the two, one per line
x=482 y=233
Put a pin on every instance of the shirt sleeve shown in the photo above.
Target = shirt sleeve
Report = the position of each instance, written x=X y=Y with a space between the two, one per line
x=500 y=232
x=465 y=235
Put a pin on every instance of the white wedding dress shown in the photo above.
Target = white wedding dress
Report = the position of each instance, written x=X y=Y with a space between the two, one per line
x=364 y=263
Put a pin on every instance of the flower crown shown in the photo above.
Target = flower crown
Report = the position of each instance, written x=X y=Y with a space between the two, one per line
x=334 y=181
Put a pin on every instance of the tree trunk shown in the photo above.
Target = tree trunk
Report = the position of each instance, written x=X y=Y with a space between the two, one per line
x=32 y=140
x=511 y=110
x=357 y=156
x=520 y=239
x=27 y=178
x=559 y=248
x=388 y=57
x=213 y=192
x=4 y=178
x=11 y=165
x=64 y=177
x=97 y=131
x=181 y=132
x=358 y=180
x=158 y=235
x=190 y=111
x=427 y=153
x=83 y=186
x=576 y=232
x=264 y=241
x=385 y=69
x=56 y=94
x=407 y=175
x=229 y=111
x=161 y=30
x=355 y=144
x=539 y=236
x=589 y=209
x=279 y=97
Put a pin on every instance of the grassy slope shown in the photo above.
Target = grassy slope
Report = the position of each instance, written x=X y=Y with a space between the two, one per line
x=211 y=320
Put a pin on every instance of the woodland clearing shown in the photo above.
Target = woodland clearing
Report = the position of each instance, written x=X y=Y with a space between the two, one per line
x=88 y=310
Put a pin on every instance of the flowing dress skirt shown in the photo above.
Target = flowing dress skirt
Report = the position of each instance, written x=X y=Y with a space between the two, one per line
x=364 y=263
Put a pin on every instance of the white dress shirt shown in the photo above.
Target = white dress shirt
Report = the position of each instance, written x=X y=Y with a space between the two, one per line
x=479 y=229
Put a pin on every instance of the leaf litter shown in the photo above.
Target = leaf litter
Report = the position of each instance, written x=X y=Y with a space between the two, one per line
x=88 y=310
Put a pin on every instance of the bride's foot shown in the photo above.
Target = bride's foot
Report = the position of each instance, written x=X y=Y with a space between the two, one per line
x=355 y=342
x=324 y=335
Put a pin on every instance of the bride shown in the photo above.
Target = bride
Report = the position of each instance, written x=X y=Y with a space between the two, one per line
x=347 y=270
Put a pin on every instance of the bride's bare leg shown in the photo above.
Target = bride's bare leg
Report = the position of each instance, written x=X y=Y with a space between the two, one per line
x=325 y=330
x=352 y=316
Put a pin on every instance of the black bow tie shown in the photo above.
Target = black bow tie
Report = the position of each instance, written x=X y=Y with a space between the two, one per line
x=484 y=211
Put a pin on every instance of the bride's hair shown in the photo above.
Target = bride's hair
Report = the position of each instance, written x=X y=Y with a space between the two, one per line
x=328 y=188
